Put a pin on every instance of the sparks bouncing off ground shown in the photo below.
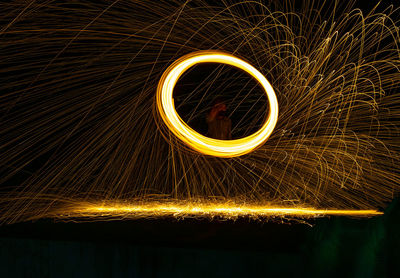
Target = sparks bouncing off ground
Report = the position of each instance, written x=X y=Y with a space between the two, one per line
x=81 y=130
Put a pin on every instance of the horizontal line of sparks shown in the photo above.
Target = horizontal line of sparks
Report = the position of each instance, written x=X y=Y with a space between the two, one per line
x=152 y=210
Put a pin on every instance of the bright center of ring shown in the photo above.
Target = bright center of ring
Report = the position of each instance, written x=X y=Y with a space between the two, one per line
x=195 y=140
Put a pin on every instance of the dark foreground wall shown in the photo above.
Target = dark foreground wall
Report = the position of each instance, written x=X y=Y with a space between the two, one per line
x=190 y=248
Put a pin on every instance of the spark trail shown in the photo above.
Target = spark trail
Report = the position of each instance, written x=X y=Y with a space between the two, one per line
x=79 y=123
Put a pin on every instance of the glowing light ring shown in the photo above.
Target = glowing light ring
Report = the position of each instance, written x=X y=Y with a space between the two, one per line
x=201 y=143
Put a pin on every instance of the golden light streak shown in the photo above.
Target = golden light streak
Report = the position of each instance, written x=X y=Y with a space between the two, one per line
x=208 y=209
x=78 y=129
x=201 y=143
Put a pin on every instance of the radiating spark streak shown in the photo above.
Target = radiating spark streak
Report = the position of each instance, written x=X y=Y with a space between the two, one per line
x=221 y=210
x=201 y=143
x=67 y=147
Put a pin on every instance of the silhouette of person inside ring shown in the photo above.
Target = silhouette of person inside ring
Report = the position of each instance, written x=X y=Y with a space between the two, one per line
x=219 y=125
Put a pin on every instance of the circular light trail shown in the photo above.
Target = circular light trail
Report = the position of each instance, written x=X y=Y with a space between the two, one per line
x=195 y=140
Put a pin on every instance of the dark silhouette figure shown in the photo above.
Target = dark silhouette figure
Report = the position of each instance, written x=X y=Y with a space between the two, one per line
x=219 y=125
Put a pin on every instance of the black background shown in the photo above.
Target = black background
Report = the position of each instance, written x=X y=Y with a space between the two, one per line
x=330 y=247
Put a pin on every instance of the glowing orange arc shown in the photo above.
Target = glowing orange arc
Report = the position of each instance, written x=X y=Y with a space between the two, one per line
x=201 y=143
